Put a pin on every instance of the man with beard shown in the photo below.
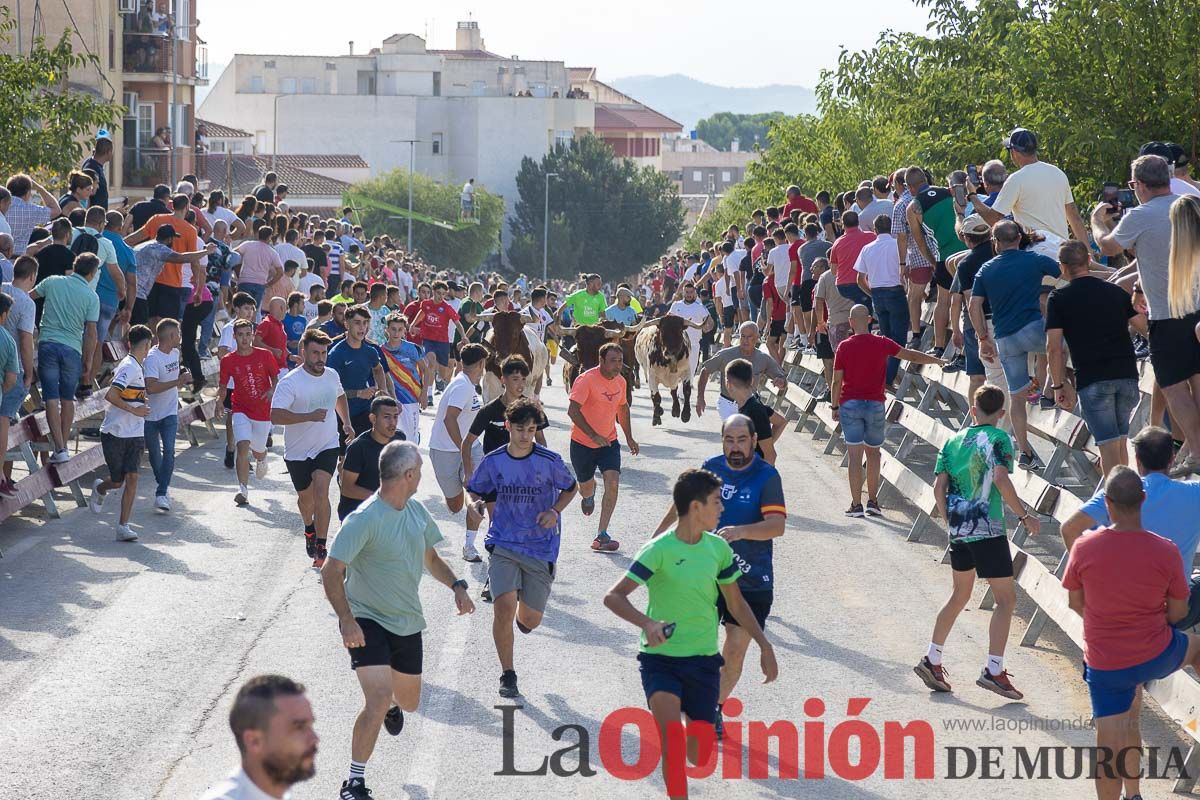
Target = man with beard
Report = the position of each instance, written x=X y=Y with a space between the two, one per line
x=272 y=723
x=752 y=516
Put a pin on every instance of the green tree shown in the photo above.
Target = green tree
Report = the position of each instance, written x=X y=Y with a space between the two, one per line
x=45 y=123
x=750 y=130
x=607 y=216
x=383 y=202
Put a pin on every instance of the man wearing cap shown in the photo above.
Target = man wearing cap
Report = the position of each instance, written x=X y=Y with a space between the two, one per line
x=977 y=235
x=151 y=257
x=1181 y=181
x=1038 y=195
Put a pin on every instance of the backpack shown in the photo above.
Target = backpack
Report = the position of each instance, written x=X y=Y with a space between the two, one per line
x=85 y=243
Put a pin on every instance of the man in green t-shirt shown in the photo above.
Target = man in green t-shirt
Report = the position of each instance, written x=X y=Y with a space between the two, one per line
x=469 y=313
x=587 y=305
x=971 y=487
x=683 y=570
x=372 y=579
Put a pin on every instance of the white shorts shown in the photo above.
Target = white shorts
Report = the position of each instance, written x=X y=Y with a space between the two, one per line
x=726 y=408
x=251 y=430
x=410 y=422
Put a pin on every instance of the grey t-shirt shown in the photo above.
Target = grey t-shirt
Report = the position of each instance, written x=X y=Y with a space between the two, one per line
x=760 y=361
x=810 y=252
x=877 y=207
x=1146 y=229
x=151 y=257
x=20 y=317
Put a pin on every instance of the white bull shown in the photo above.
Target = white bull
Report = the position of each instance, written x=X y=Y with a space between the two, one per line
x=662 y=350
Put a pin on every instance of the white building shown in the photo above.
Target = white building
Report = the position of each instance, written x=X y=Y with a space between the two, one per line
x=473 y=113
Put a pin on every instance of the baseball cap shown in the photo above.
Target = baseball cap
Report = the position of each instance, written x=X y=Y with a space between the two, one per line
x=166 y=232
x=1021 y=140
x=975 y=225
x=1173 y=153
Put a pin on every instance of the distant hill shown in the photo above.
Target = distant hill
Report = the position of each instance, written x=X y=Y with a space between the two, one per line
x=688 y=100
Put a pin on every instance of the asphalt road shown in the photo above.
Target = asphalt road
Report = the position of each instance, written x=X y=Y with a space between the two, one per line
x=118 y=662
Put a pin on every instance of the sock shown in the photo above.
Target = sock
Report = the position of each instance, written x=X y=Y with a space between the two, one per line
x=357 y=770
x=804 y=339
x=995 y=664
x=310 y=527
x=522 y=628
x=244 y=489
x=471 y=538
x=935 y=654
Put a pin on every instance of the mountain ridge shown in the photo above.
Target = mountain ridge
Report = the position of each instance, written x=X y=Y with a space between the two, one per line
x=688 y=100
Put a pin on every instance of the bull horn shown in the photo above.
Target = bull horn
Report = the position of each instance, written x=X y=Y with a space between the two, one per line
x=611 y=334
x=567 y=331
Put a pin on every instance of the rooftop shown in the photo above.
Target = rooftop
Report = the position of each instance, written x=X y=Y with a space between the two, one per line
x=610 y=117
x=219 y=131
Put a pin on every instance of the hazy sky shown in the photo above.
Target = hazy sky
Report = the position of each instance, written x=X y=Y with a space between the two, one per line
x=704 y=39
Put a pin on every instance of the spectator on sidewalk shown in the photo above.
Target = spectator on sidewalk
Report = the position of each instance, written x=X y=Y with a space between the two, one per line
x=878 y=268
x=21 y=325
x=176 y=281
x=122 y=434
x=977 y=235
x=857 y=397
x=1012 y=284
x=163 y=379
x=67 y=338
x=1093 y=316
x=102 y=154
x=1127 y=638
x=934 y=212
x=971 y=486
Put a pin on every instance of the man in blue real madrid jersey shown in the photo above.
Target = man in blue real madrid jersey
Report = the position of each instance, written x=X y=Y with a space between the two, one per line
x=753 y=516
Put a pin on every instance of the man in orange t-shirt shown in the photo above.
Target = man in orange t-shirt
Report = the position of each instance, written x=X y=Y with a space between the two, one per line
x=171 y=292
x=597 y=405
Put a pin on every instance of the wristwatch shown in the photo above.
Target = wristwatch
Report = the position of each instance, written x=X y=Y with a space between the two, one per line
x=458 y=583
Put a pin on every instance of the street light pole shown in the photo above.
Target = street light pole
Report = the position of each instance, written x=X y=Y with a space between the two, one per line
x=274 y=129
x=546 y=229
x=412 y=150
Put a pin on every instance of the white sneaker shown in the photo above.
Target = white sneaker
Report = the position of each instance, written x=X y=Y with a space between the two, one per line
x=125 y=534
x=96 y=500
x=471 y=555
x=260 y=468
x=162 y=503
x=60 y=456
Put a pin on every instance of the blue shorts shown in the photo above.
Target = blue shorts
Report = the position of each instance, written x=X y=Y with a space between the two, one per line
x=1112 y=690
x=1014 y=353
x=863 y=422
x=107 y=315
x=1106 y=407
x=695 y=680
x=971 y=353
x=10 y=403
x=586 y=460
x=440 y=350
x=59 y=368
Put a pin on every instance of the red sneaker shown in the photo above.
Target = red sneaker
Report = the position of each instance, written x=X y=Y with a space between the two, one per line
x=1000 y=684
x=933 y=675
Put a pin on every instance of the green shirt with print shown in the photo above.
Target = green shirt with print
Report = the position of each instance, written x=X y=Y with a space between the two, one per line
x=475 y=331
x=586 y=308
x=682 y=580
x=70 y=304
x=974 y=507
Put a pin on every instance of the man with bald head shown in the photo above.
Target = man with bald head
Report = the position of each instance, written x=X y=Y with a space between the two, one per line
x=747 y=348
x=1120 y=579
x=752 y=517
x=271 y=335
x=857 y=399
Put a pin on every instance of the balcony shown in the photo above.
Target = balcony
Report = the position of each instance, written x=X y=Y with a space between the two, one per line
x=149 y=166
x=147 y=53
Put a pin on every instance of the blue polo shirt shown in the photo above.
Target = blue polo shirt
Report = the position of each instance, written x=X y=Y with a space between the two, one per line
x=354 y=366
x=625 y=316
x=750 y=495
x=1171 y=510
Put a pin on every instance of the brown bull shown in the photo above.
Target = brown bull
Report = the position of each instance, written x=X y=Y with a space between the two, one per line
x=630 y=367
x=662 y=352
x=588 y=341
x=509 y=337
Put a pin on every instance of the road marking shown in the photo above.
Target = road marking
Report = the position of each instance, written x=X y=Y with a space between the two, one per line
x=21 y=546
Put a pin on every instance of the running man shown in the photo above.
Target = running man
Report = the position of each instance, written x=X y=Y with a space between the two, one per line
x=372 y=579
x=526 y=487
x=597 y=405
x=491 y=423
x=434 y=319
x=301 y=403
x=971 y=487
x=361 y=367
x=752 y=516
x=410 y=375
x=455 y=412
x=685 y=571
x=245 y=308
x=253 y=373
x=360 y=470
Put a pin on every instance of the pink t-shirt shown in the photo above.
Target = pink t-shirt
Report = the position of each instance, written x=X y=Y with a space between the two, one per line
x=845 y=252
x=1126 y=578
x=257 y=260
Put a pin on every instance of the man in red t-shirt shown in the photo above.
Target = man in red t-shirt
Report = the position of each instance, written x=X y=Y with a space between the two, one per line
x=775 y=333
x=796 y=201
x=844 y=255
x=270 y=334
x=857 y=398
x=254 y=372
x=1128 y=585
x=433 y=320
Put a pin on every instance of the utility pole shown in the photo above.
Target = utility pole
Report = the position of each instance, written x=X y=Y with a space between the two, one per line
x=412 y=150
x=546 y=229
x=274 y=129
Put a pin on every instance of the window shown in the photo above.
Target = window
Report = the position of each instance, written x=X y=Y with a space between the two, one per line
x=183 y=19
x=287 y=86
x=726 y=177
x=216 y=146
x=145 y=123
x=331 y=66
x=269 y=64
x=308 y=85
x=697 y=175
x=256 y=84
x=438 y=144
x=563 y=139
x=478 y=88
x=437 y=84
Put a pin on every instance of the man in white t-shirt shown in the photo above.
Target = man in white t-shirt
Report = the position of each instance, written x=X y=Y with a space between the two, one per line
x=163 y=379
x=288 y=251
x=456 y=410
x=723 y=301
x=302 y=403
x=468 y=199
x=691 y=309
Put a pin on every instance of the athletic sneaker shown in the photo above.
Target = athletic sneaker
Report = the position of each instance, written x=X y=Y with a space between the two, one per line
x=322 y=554
x=393 y=722
x=587 y=505
x=96 y=500
x=310 y=543
x=873 y=509
x=354 y=789
x=486 y=594
x=260 y=468
x=60 y=456
x=161 y=503
x=508 y=684
x=228 y=459
x=470 y=554
x=719 y=725
x=241 y=499
x=933 y=675
x=1030 y=461
x=7 y=487
x=1000 y=684
x=855 y=510
x=605 y=544
x=935 y=351
x=125 y=534
x=914 y=340
x=1046 y=403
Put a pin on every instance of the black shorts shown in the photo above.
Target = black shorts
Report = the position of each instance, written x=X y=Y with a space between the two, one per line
x=759 y=602
x=824 y=349
x=1174 y=352
x=990 y=558
x=728 y=314
x=384 y=648
x=346 y=507
x=695 y=680
x=140 y=313
x=163 y=301
x=301 y=472
x=942 y=276
x=776 y=330
x=361 y=423
x=802 y=295
x=122 y=455
x=586 y=460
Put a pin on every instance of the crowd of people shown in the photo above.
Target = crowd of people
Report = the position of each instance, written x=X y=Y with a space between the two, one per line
x=340 y=341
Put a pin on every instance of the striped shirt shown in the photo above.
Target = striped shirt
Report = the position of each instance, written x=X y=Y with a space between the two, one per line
x=22 y=218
